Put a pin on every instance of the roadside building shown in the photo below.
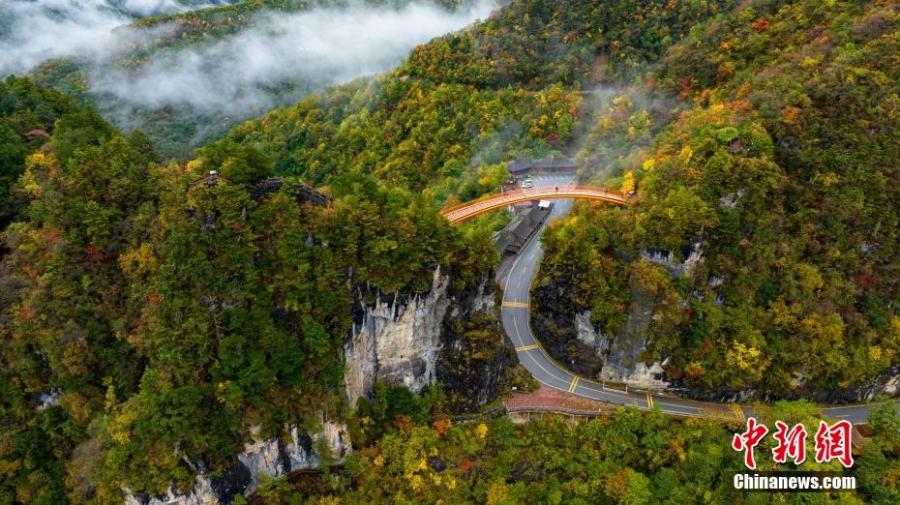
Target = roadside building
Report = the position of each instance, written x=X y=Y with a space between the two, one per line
x=521 y=167
x=510 y=239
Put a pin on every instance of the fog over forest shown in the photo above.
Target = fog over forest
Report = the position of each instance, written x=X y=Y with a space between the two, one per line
x=323 y=46
x=32 y=31
x=237 y=75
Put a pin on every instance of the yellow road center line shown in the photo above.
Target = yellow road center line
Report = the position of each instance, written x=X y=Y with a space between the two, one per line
x=738 y=411
x=548 y=372
x=574 y=383
x=649 y=401
x=526 y=347
x=536 y=361
x=516 y=326
x=518 y=305
x=664 y=404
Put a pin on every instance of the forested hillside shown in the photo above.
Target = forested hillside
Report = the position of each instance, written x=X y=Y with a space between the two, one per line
x=506 y=88
x=132 y=287
x=129 y=295
x=781 y=171
x=27 y=116
x=628 y=458
x=157 y=315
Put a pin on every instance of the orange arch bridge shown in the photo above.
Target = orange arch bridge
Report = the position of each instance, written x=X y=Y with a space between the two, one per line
x=474 y=208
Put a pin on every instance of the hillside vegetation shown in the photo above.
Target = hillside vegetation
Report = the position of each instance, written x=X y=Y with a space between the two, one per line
x=506 y=88
x=150 y=320
x=133 y=295
x=129 y=292
x=627 y=458
x=781 y=168
x=27 y=114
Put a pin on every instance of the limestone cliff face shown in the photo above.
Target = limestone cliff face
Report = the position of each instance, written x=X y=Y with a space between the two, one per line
x=270 y=457
x=571 y=338
x=621 y=365
x=396 y=340
x=677 y=269
x=412 y=340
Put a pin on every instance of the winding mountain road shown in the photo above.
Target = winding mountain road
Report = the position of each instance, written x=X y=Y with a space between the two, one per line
x=515 y=314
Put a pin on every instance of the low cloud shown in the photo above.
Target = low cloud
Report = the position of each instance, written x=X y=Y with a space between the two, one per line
x=279 y=58
x=32 y=31
x=319 y=47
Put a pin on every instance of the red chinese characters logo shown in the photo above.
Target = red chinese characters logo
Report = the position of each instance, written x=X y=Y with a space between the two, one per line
x=791 y=444
x=833 y=442
x=748 y=440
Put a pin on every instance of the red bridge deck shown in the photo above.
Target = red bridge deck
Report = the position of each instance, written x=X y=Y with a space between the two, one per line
x=471 y=209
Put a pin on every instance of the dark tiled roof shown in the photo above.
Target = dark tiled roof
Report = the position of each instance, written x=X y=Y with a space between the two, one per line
x=519 y=166
x=517 y=232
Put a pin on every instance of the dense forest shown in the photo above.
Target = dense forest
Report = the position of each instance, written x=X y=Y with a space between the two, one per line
x=779 y=167
x=131 y=292
x=155 y=312
x=509 y=87
x=628 y=457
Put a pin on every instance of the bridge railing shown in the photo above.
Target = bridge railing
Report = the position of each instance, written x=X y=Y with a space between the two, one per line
x=538 y=192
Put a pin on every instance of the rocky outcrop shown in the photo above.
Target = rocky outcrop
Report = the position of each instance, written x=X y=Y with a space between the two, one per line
x=571 y=338
x=477 y=360
x=621 y=363
x=273 y=458
x=693 y=259
x=641 y=375
x=555 y=322
x=589 y=334
x=396 y=340
x=568 y=334
x=414 y=339
x=222 y=489
x=49 y=399
x=732 y=200
x=269 y=457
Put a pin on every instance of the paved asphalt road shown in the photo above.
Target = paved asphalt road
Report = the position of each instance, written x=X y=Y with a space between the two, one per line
x=517 y=284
